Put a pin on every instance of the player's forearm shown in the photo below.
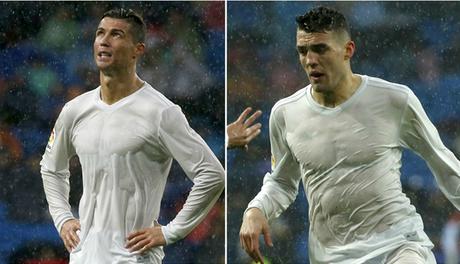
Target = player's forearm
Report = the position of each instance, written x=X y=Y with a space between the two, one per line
x=56 y=186
x=280 y=187
x=442 y=163
x=446 y=169
x=206 y=190
x=274 y=198
x=419 y=134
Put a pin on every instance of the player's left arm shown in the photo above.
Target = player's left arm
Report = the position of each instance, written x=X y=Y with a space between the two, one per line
x=197 y=160
x=201 y=166
x=419 y=134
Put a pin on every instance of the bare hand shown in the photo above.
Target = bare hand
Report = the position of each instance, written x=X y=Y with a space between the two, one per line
x=254 y=224
x=69 y=234
x=145 y=239
x=241 y=132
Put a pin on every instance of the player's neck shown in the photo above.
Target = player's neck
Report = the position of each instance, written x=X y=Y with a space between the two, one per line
x=115 y=87
x=346 y=88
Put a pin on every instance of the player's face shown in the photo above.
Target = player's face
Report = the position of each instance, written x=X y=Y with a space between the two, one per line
x=113 y=45
x=325 y=58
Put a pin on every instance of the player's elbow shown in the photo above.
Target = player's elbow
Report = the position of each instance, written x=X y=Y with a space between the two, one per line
x=217 y=175
x=218 y=181
x=211 y=178
x=50 y=173
x=221 y=178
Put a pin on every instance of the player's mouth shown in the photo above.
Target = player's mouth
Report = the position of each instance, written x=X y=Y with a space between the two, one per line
x=315 y=76
x=104 y=55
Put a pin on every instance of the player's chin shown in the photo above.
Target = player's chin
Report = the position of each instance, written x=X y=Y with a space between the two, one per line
x=103 y=65
x=319 y=87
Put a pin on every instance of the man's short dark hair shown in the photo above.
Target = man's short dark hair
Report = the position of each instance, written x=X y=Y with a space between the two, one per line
x=322 y=19
x=136 y=21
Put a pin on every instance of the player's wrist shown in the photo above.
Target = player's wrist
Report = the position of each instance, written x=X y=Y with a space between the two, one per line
x=253 y=212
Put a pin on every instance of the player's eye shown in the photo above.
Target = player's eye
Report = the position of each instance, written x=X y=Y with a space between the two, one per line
x=320 y=49
x=116 y=34
x=302 y=50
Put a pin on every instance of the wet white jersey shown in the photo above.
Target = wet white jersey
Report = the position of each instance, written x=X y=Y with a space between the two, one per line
x=126 y=150
x=348 y=158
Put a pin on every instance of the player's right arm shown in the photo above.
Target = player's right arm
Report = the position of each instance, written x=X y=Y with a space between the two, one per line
x=279 y=190
x=55 y=174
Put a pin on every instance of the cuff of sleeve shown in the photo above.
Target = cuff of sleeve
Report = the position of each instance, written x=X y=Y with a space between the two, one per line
x=258 y=205
x=61 y=220
x=168 y=235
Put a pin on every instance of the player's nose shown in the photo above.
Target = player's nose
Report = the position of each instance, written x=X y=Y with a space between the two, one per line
x=311 y=59
x=103 y=40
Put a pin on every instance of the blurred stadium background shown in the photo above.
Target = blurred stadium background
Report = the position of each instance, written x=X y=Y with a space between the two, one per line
x=46 y=60
x=413 y=43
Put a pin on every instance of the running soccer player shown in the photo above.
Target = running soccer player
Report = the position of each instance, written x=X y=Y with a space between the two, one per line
x=125 y=134
x=343 y=136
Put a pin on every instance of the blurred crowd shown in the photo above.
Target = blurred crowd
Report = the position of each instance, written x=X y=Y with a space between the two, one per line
x=412 y=43
x=46 y=60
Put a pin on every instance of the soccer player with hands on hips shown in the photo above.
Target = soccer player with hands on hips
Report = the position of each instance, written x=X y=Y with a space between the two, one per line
x=343 y=136
x=126 y=135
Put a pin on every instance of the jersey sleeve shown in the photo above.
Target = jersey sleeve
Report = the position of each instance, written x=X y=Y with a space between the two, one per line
x=420 y=135
x=55 y=170
x=280 y=187
x=200 y=165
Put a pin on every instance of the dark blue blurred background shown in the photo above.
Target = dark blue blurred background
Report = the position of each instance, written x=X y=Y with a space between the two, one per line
x=46 y=60
x=413 y=43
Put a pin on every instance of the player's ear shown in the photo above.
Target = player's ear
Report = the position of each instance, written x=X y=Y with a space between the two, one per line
x=349 y=49
x=140 y=49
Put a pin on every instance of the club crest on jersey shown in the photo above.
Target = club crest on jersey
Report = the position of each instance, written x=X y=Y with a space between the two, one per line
x=50 y=144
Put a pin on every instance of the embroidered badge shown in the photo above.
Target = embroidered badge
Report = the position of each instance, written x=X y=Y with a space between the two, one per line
x=50 y=144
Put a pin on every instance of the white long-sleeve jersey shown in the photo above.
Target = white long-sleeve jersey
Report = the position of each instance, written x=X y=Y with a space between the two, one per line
x=348 y=158
x=126 y=150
